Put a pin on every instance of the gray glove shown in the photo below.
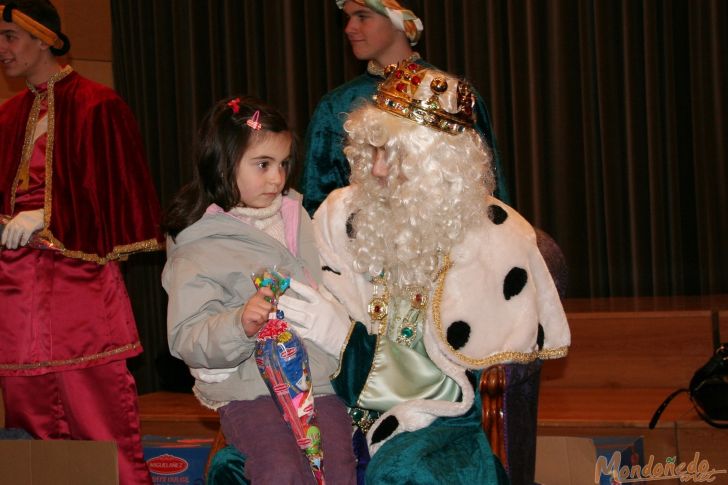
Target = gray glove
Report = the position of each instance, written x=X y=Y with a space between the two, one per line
x=316 y=317
x=17 y=232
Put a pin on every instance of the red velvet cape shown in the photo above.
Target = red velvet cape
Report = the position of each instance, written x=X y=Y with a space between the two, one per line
x=101 y=201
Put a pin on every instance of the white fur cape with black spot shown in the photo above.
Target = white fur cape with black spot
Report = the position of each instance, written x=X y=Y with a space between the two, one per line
x=497 y=304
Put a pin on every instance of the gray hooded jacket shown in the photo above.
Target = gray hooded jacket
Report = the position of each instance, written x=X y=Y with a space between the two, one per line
x=208 y=279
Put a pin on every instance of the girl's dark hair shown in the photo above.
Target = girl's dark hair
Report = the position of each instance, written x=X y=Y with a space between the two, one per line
x=223 y=138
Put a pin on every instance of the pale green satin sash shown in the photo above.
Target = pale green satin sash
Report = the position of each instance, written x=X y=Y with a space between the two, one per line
x=400 y=373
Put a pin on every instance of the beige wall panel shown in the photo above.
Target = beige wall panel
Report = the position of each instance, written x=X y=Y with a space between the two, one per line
x=95 y=70
x=88 y=24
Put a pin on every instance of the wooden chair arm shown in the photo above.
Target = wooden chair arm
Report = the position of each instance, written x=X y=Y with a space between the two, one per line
x=492 y=388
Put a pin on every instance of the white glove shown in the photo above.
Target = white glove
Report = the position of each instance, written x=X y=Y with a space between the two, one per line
x=316 y=317
x=17 y=232
x=211 y=375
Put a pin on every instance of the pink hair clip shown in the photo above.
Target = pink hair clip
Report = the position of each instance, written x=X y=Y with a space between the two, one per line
x=253 y=121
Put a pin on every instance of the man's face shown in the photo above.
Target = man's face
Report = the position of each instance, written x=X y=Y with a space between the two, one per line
x=371 y=35
x=21 y=55
x=380 y=170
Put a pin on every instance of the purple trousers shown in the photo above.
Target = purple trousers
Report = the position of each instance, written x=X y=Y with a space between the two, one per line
x=257 y=429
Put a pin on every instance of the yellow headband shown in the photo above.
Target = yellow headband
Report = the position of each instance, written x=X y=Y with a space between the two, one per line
x=33 y=27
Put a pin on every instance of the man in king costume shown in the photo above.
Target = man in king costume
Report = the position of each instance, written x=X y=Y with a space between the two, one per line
x=441 y=279
x=76 y=196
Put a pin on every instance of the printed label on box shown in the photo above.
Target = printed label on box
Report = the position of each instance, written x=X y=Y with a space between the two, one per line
x=176 y=459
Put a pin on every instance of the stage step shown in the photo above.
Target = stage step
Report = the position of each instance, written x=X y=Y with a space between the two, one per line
x=176 y=414
x=627 y=355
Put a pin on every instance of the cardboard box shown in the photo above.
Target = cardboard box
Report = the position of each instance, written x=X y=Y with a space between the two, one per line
x=631 y=454
x=562 y=460
x=176 y=459
x=37 y=462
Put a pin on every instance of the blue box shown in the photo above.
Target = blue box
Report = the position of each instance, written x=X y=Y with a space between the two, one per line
x=176 y=459
x=631 y=453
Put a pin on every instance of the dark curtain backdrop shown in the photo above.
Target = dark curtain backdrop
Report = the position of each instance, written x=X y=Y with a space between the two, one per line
x=610 y=118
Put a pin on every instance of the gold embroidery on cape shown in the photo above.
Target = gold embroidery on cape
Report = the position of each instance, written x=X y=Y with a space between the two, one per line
x=48 y=199
x=517 y=357
x=336 y=373
x=118 y=252
x=28 y=142
x=77 y=360
x=23 y=175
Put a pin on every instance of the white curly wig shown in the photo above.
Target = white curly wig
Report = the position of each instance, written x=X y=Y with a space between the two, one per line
x=436 y=186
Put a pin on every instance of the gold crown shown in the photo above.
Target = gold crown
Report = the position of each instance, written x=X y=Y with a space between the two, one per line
x=426 y=96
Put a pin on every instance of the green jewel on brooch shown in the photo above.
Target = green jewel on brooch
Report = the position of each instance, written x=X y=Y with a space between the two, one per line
x=407 y=334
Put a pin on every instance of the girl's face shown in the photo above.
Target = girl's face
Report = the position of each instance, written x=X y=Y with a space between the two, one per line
x=261 y=172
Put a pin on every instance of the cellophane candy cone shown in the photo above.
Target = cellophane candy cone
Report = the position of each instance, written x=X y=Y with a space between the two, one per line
x=283 y=363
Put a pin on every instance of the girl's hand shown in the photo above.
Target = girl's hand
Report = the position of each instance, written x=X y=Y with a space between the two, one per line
x=256 y=311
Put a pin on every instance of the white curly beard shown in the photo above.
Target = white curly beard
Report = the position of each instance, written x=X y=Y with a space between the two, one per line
x=436 y=186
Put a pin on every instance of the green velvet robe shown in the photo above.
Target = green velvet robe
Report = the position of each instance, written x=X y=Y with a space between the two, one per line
x=450 y=450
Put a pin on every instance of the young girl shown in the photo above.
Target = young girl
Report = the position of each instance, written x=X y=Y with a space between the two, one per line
x=237 y=216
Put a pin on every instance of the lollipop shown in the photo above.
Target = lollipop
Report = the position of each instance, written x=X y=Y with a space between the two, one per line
x=283 y=363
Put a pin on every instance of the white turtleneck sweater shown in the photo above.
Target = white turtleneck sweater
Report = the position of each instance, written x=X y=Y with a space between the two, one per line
x=268 y=219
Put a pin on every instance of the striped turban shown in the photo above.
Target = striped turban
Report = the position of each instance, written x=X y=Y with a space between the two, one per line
x=403 y=19
x=58 y=42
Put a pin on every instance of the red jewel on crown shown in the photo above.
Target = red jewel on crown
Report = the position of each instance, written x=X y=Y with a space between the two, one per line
x=398 y=96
